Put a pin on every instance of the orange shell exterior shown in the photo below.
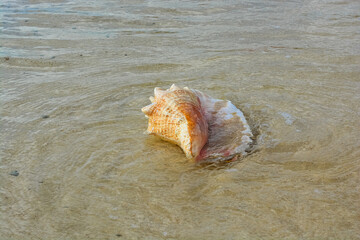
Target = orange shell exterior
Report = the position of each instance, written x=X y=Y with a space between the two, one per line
x=176 y=116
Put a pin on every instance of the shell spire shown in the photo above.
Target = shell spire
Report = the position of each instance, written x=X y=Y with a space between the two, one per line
x=176 y=115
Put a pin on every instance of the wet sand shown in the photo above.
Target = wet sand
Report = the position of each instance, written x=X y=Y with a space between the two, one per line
x=75 y=163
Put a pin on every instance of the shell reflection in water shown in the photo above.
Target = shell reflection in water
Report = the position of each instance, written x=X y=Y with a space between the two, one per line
x=204 y=127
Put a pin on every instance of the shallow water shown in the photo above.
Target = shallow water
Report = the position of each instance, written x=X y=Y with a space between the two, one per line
x=75 y=74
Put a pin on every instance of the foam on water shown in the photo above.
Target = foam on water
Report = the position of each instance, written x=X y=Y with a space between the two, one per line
x=289 y=119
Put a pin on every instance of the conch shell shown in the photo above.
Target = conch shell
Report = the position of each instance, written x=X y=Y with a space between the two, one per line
x=204 y=127
x=176 y=115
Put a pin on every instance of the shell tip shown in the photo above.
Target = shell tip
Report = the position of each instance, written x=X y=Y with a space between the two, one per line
x=148 y=109
x=174 y=87
x=158 y=92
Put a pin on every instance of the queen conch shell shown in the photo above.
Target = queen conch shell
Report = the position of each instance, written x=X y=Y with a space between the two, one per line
x=204 y=127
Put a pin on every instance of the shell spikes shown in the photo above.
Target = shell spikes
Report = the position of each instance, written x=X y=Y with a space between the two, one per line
x=176 y=116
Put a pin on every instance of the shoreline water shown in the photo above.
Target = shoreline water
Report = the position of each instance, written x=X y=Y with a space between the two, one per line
x=75 y=163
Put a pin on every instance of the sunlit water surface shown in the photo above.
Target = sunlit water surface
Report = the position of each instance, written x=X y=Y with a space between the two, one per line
x=75 y=74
